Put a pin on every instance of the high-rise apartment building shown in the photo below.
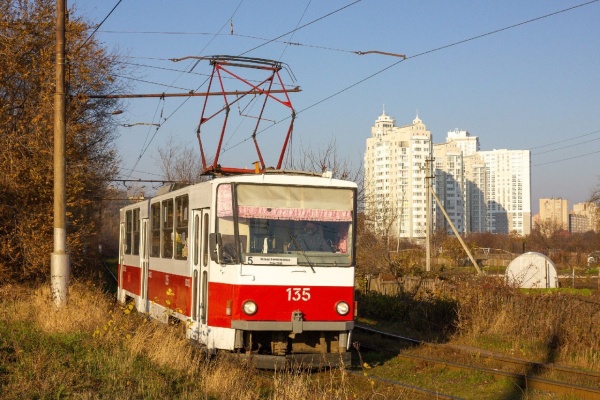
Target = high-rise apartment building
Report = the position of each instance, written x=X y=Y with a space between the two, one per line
x=450 y=186
x=396 y=161
x=481 y=191
x=555 y=212
x=585 y=217
x=463 y=139
x=475 y=194
x=508 y=190
x=473 y=181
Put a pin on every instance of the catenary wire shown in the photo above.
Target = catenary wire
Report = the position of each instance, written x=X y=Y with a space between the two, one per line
x=564 y=147
x=391 y=65
x=422 y=54
x=303 y=26
x=144 y=149
x=566 y=159
x=223 y=34
x=99 y=25
x=563 y=141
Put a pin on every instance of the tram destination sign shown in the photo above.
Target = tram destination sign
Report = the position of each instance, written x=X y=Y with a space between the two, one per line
x=271 y=260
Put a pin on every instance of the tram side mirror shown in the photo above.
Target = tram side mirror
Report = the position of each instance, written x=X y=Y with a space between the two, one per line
x=215 y=246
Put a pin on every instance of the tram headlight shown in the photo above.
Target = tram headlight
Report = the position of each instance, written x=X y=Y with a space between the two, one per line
x=342 y=308
x=249 y=307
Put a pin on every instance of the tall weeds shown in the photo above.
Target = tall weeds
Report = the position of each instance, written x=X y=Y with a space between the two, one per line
x=560 y=326
x=94 y=348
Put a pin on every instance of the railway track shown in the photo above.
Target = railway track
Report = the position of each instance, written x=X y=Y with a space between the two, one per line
x=524 y=373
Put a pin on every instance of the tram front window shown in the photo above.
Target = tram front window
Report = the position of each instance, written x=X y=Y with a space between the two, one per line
x=294 y=225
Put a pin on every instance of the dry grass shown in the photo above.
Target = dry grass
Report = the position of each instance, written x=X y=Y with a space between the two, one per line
x=552 y=326
x=93 y=348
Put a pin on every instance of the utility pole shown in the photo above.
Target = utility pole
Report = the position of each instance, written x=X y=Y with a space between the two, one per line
x=59 y=259
x=456 y=233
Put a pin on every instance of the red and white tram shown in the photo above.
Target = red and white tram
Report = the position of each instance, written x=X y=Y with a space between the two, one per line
x=230 y=258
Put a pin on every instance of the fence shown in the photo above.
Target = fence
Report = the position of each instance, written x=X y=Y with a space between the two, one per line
x=391 y=285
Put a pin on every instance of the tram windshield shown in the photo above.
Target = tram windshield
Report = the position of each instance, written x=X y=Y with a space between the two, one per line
x=286 y=225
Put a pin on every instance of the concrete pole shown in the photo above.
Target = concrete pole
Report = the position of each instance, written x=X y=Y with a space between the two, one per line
x=59 y=259
x=428 y=215
x=456 y=233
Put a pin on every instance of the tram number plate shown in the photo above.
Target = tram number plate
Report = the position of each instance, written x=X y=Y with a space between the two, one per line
x=298 y=294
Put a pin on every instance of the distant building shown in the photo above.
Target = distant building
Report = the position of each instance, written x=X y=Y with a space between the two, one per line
x=508 y=190
x=474 y=182
x=476 y=195
x=579 y=223
x=463 y=139
x=481 y=191
x=555 y=212
x=395 y=165
x=584 y=217
x=450 y=185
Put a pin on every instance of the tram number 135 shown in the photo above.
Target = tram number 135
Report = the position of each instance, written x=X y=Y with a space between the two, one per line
x=297 y=294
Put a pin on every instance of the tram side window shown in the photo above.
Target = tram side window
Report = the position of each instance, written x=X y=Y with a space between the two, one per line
x=155 y=230
x=225 y=225
x=136 y=232
x=181 y=227
x=128 y=231
x=167 y=228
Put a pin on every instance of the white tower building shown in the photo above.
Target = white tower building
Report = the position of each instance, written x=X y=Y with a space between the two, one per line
x=395 y=171
x=473 y=181
x=508 y=190
x=450 y=185
x=463 y=139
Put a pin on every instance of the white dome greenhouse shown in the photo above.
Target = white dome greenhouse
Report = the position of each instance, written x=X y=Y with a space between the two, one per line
x=532 y=270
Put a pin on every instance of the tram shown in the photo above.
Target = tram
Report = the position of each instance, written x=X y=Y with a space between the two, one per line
x=256 y=264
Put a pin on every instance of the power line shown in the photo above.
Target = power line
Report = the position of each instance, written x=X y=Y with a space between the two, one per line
x=100 y=24
x=144 y=149
x=568 y=158
x=422 y=54
x=153 y=83
x=566 y=147
x=386 y=68
x=234 y=35
x=294 y=31
x=303 y=26
x=448 y=46
x=565 y=140
x=191 y=69
x=141 y=172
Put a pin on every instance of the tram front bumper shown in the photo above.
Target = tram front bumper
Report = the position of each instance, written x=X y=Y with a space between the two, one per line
x=292 y=326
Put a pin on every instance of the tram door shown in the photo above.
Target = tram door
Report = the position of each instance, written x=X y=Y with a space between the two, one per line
x=120 y=293
x=201 y=223
x=144 y=264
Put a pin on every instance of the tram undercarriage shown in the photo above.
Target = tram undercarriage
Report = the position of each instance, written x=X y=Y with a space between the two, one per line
x=309 y=349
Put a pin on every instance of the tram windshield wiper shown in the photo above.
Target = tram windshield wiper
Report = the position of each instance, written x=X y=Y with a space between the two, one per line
x=310 y=263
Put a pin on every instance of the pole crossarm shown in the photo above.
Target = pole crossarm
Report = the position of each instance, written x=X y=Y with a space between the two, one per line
x=190 y=94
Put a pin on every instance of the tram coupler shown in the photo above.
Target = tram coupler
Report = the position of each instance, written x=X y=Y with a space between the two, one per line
x=297 y=319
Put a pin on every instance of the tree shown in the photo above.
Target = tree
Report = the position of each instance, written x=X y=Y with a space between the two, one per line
x=179 y=163
x=27 y=37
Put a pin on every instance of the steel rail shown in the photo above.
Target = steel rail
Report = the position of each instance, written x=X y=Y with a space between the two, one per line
x=527 y=381
x=537 y=367
x=524 y=380
x=407 y=339
x=534 y=366
x=434 y=394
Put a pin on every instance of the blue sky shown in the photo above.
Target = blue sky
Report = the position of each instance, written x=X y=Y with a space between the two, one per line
x=534 y=86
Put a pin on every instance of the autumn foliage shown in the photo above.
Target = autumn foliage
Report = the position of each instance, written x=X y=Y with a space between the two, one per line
x=27 y=81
